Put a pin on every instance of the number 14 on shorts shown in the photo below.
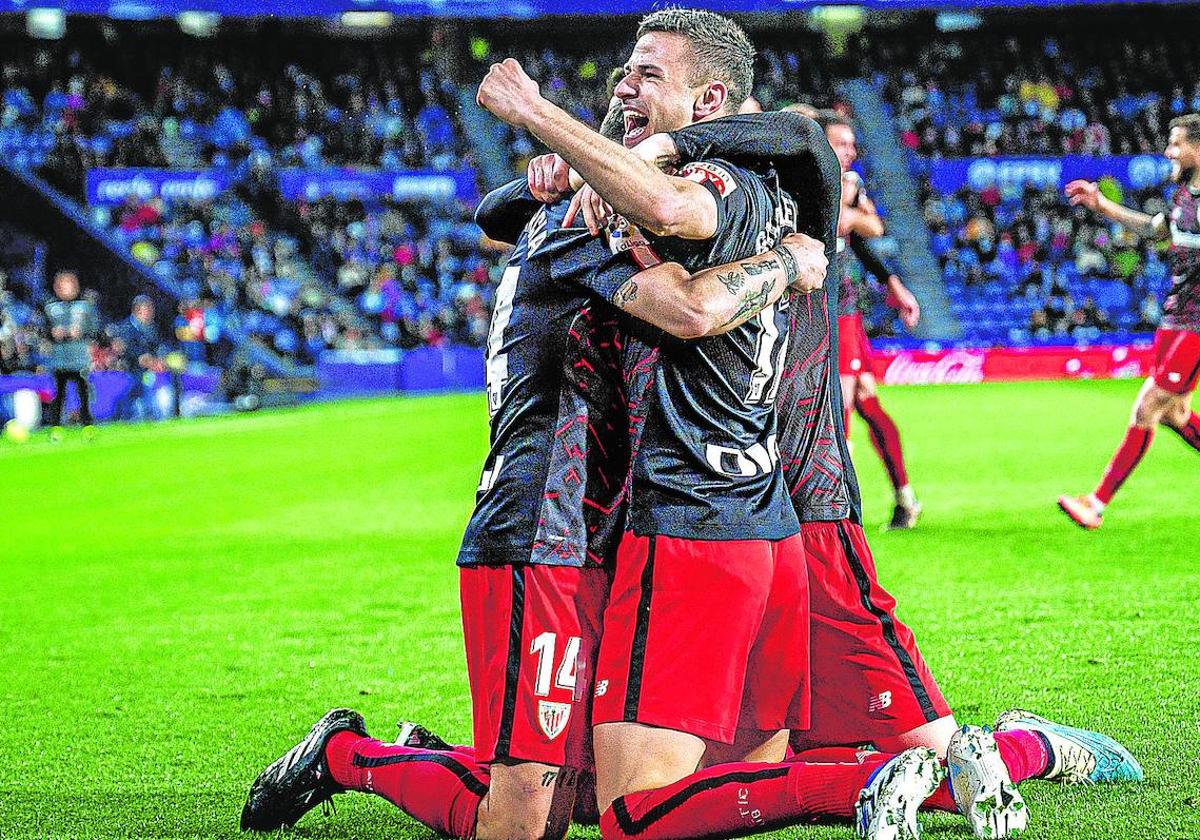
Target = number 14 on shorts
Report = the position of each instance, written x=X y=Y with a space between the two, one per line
x=553 y=716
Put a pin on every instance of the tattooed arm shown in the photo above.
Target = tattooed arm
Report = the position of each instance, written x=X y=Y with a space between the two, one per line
x=716 y=300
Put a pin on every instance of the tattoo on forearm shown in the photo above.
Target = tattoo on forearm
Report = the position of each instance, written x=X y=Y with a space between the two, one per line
x=752 y=302
x=753 y=269
x=627 y=294
x=732 y=281
x=791 y=270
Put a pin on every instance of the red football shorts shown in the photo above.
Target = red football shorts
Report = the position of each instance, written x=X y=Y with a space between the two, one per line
x=1176 y=360
x=869 y=681
x=706 y=637
x=854 y=350
x=531 y=635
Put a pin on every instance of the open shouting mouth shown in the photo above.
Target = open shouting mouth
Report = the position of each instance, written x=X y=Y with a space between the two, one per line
x=637 y=126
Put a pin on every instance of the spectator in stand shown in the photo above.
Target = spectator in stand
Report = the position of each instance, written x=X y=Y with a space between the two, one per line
x=1150 y=313
x=74 y=324
x=20 y=332
x=1009 y=253
x=140 y=351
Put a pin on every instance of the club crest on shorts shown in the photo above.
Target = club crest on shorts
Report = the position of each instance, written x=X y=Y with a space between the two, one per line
x=553 y=717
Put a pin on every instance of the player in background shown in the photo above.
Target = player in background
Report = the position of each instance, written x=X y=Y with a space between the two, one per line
x=74 y=325
x=533 y=581
x=1166 y=396
x=870 y=682
x=712 y=536
x=858 y=222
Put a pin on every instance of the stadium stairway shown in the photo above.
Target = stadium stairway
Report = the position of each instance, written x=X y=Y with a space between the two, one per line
x=103 y=261
x=317 y=266
x=919 y=269
x=487 y=137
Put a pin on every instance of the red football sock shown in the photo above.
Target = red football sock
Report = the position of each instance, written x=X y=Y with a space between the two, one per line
x=886 y=439
x=1190 y=431
x=438 y=788
x=1025 y=754
x=1127 y=456
x=731 y=800
x=941 y=799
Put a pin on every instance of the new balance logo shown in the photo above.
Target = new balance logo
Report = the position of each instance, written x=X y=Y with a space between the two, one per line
x=879 y=702
x=601 y=688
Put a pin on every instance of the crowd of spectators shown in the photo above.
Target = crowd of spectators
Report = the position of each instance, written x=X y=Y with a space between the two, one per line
x=417 y=272
x=107 y=97
x=1021 y=264
x=1046 y=86
x=112 y=97
x=312 y=276
x=231 y=270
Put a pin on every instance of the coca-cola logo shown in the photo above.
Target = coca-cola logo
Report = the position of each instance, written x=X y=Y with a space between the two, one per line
x=955 y=366
x=1131 y=370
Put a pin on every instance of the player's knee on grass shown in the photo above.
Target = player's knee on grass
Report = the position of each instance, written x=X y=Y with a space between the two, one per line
x=526 y=801
x=631 y=757
x=750 y=745
x=935 y=735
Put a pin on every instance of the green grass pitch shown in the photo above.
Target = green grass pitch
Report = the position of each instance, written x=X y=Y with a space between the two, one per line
x=179 y=602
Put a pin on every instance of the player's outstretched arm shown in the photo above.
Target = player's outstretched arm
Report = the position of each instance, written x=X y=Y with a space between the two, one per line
x=715 y=300
x=506 y=210
x=777 y=139
x=865 y=223
x=898 y=295
x=1087 y=194
x=660 y=203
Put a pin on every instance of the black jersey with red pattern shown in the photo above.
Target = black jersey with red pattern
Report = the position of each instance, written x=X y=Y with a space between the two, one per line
x=705 y=465
x=705 y=455
x=812 y=445
x=554 y=483
x=812 y=442
x=1181 y=311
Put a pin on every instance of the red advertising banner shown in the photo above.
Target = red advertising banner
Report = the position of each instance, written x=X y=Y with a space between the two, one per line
x=998 y=364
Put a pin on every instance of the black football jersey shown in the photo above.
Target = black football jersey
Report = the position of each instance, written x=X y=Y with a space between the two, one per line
x=706 y=457
x=552 y=488
x=812 y=442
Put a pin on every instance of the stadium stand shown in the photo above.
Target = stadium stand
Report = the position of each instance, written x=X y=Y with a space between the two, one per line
x=1037 y=86
x=1022 y=266
x=302 y=276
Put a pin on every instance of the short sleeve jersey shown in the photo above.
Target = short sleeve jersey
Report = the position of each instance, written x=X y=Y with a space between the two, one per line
x=706 y=453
